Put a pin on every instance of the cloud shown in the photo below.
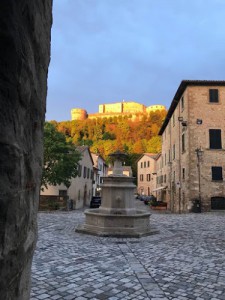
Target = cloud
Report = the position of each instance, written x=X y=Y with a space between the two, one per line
x=107 y=50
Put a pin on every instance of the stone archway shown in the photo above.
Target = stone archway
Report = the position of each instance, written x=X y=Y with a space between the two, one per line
x=25 y=28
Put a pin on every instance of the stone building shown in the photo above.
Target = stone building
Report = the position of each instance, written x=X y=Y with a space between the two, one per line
x=146 y=174
x=192 y=164
x=129 y=108
x=80 y=191
x=100 y=170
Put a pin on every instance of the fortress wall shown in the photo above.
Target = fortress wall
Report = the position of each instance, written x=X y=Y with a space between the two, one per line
x=78 y=114
x=115 y=110
x=114 y=107
x=153 y=108
x=133 y=107
x=101 y=108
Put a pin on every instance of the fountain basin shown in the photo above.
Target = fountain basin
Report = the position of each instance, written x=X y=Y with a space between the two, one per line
x=117 y=215
x=116 y=225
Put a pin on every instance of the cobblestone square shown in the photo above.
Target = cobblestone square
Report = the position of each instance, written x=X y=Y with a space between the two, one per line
x=185 y=260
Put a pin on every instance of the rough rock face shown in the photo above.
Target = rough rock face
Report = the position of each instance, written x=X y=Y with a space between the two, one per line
x=24 y=58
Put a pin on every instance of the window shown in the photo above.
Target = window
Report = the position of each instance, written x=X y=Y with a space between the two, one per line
x=165 y=158
x=213 y=96
x=183 y=143
x=174 y=154
x=145 y=164
x=217 y=173
x=164 y=178
x=215 y=139
x=79 y=170
x=88 y=172
x=85 y=169
x=148 y=164
x=62 y=193
x=141 y=177
x=183 y=173
x=182 y=103
x=148 y=177
x=141 y=164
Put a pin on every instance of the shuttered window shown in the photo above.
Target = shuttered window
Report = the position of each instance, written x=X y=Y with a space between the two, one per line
x=213 y=95
x=217 y=173
x=183 y=143
x=215 y=139
x=174 y=154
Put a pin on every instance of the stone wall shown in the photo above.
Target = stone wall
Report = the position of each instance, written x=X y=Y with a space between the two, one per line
x=182 y=177
x=133 y=109
x=24 y=59
x=78 y=114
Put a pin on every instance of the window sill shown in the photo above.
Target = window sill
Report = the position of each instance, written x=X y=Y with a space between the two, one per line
x=219 y=181
x=212 y=149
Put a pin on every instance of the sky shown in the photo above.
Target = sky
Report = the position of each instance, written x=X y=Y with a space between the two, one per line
x=106 y=51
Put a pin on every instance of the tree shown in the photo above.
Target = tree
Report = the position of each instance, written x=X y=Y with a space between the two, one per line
x=60 y=158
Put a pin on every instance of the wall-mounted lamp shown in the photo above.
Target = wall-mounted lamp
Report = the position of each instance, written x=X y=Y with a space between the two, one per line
x=199 y=121
x=184 y=123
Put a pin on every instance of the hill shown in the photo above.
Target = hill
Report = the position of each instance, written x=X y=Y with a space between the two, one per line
x=106 y=135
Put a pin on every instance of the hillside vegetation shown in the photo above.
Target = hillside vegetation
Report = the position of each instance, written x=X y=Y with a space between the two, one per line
x=105 y=136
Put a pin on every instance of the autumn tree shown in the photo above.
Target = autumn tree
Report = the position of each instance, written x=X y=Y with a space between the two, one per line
x=60 y=158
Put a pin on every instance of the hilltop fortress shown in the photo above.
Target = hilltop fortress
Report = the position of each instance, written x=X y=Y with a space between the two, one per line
x=123 y=108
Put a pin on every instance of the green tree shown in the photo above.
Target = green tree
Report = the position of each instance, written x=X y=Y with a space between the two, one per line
x=60 y=158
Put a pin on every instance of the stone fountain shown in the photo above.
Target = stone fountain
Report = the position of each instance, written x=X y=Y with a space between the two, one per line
x=117 y=215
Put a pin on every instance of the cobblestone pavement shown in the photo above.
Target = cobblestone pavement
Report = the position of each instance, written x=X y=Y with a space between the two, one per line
x=186 y=260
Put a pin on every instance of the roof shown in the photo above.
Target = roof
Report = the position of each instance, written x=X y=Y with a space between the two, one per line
x=95 y=157
x=81 y=149
x=151 y=155
x=183 y=85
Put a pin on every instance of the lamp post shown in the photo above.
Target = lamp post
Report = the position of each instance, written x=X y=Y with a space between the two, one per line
x=199 y=153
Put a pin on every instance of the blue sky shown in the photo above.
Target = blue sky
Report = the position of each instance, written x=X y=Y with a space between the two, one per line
x=104 y=51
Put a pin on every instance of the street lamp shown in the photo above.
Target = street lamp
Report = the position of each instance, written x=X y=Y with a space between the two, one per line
x=199 y=153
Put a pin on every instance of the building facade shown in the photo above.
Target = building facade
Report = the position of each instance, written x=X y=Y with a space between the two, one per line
x=80 y=191
x=192 y=163
x=146 y=174
x=100 y=171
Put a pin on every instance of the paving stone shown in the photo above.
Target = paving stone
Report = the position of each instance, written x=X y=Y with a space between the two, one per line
x=186 y=260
